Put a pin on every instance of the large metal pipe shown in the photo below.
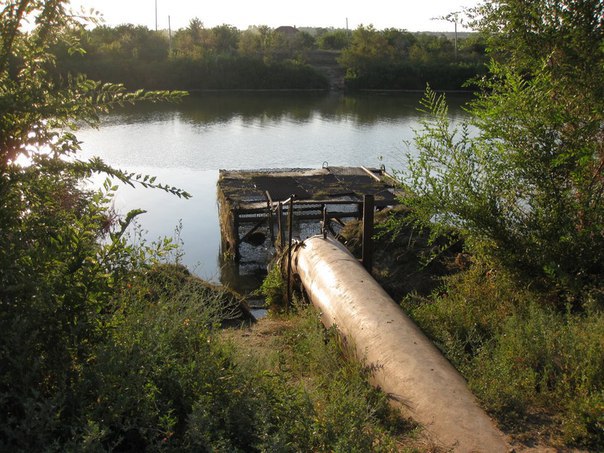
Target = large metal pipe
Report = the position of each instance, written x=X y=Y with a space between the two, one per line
x=408 y=367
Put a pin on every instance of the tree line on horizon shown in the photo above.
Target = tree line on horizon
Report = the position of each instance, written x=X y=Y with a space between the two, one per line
x=261 y=57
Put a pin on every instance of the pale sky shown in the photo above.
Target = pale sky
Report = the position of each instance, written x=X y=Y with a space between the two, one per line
x=413 y=15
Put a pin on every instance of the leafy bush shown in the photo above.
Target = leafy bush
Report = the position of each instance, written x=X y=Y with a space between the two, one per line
x=523 y=180
x=163 y=379
x=156 y=364
x=510 y=203
x=274 y=288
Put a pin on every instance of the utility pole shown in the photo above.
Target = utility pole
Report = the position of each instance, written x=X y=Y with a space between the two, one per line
x=155 y=15
x=455 y=18
x=169 y=36
x=455 y=38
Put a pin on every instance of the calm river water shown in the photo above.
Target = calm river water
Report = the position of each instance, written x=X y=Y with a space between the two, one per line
x=185 y=145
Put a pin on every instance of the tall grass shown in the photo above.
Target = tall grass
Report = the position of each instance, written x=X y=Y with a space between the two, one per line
x=347 y=414
x=527 y=361
x=163 y=378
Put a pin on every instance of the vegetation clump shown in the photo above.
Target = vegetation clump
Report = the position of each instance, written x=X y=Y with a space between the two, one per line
x=398 y=59
x=199 y=58
x=522 y=185
x=273 y=288
x=539 y=370
x=104 y=346
x=525 y=186
x=346 y=412
x=406 y=258
x=261 y=57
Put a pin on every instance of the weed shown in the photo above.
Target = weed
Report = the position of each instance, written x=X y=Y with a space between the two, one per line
x=521 y=356
x=274 y=288
x=347 y=413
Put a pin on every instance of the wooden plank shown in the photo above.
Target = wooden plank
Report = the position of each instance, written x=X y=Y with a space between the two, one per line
x=372 y=174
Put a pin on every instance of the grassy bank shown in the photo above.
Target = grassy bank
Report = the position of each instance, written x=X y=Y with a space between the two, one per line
x=537 y=369
x=163 y=375
x=343 y=412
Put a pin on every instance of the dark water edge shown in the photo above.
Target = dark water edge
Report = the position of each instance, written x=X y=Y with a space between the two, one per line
x=185 y=144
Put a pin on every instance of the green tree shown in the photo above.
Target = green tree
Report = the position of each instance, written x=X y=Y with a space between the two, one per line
x=63 y=252
x=250 y=43
x=193 y=41
x=225 y=39
x=127 y=54
x=367 y=46
x=139 y=43
x=334 y=40
x=400 y=40
x=397 y=59
x=527 y=187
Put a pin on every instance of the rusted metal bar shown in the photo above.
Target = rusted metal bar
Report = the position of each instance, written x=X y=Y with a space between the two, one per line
x=325 y=222
x=269 y=211
x=290 y=231
x=280 y=231
x=367 y=254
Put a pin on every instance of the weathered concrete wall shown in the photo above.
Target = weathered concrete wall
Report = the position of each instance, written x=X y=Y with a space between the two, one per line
x=407 y=365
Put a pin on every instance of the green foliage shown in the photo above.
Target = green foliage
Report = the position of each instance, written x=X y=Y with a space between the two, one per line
x=201 y=58
x=125 y=42
x=353 y=416
x=397 y=59
x=566 y=34
x=64 y=254
x=527 y=186
x=156 y=364
x=196 y=41
x=261 y=57
x=274 y=288
x=520 y=355
x=334 y=40
x=208 y=73
x=243 y=73
x=344 y=413
x=164 y=380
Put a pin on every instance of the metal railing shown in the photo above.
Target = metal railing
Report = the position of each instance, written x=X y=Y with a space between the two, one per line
x=365 y=211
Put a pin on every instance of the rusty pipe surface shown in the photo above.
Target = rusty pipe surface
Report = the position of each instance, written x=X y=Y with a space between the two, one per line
x=407 y=366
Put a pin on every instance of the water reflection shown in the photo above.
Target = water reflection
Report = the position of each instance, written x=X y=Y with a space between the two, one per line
x=274 y=107
x=185 y=144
